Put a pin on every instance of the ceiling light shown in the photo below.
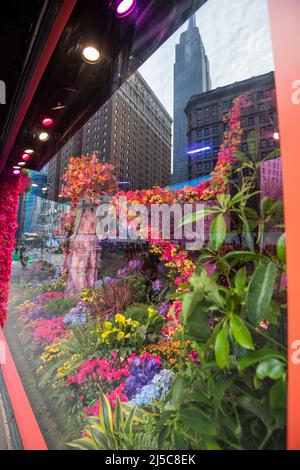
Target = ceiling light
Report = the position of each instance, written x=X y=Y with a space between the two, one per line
x=29 y=151
x=25 y=157
x=123 y=8
x=43 y=136
x=45 y=189
x=47 y=122
x=21 y=164
x=16 y=168
x=91 y=55
x=17 y=172
x=34 y=185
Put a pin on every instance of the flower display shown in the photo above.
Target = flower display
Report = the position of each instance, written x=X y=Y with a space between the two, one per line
x=9 y=196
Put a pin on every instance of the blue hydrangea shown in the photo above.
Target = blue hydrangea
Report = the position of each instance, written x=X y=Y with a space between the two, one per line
x=155 y=390
x=76 y=315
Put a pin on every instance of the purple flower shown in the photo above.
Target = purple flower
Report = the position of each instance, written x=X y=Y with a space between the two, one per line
x=164 y=307
x=157 y=285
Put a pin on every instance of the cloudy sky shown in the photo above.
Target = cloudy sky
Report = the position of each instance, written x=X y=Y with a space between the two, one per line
x=237 y=41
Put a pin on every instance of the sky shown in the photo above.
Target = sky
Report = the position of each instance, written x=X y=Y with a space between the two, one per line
x=237 y=40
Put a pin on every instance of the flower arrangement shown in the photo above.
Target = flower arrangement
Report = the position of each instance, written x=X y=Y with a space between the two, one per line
x=87 y=177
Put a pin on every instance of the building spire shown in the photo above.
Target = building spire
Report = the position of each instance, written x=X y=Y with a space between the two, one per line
x=192 y=22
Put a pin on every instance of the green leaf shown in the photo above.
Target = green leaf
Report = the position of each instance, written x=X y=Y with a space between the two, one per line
x=278 y=401
x=252 y=145
x=194 y=216
x=218 y=232
x=247 y=233
x=242 y=157
x=198 y=421
x=240 y=281
x=211 y=444
x=275 y=153
x=272 y=368
x=281 y=248
x=240 y=332
x=222 y=349
x=260 y=291
x=258 y=356
x=178 y=389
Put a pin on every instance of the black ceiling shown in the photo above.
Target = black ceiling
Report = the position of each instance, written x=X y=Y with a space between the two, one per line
x=124 y=45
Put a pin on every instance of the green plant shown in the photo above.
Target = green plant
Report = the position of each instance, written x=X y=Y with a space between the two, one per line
x=109 y=430
x=60 y=306
x=140 y=285
x=149 y=317
x=235 y=319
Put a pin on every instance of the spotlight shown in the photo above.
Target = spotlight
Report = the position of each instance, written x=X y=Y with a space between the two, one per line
x=29 y=151
x=25 y=157
x=17 y=172
x=276 y=136
x=91 y=55
x=47 y=122
x=123 y=8
x=21 y=164
x=44 y=136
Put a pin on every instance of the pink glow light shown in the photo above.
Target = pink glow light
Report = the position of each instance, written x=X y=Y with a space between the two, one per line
x=125 y=7
x=47 y=122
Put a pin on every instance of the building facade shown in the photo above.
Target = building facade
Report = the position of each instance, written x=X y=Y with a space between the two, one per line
x=132 y=130
x=191 y=77
x=205 y=113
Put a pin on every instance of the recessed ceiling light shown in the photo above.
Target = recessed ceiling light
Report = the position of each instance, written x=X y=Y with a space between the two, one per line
x=44 y=189
x=123 y=8
x=43 y=136
x=47 y=122
x=34 y=185
x=21 y=164
x=17 y=172
x=91 y=55
x=29 y=151
x=25 y=157
x=16 y=168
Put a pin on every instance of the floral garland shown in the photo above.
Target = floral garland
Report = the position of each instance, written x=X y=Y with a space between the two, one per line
x=10 y=189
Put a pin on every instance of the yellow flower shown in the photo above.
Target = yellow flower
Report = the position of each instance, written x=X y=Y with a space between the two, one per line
x=120 y=335
x=107 y=325
x=120 y=318
x=105 y=334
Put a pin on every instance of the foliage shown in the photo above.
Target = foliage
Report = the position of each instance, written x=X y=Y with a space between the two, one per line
x=149 y=317
x=60 y=306
x=110 y=429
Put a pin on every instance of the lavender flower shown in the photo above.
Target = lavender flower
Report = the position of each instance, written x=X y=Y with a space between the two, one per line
x=157 y=285
x=164 y=307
